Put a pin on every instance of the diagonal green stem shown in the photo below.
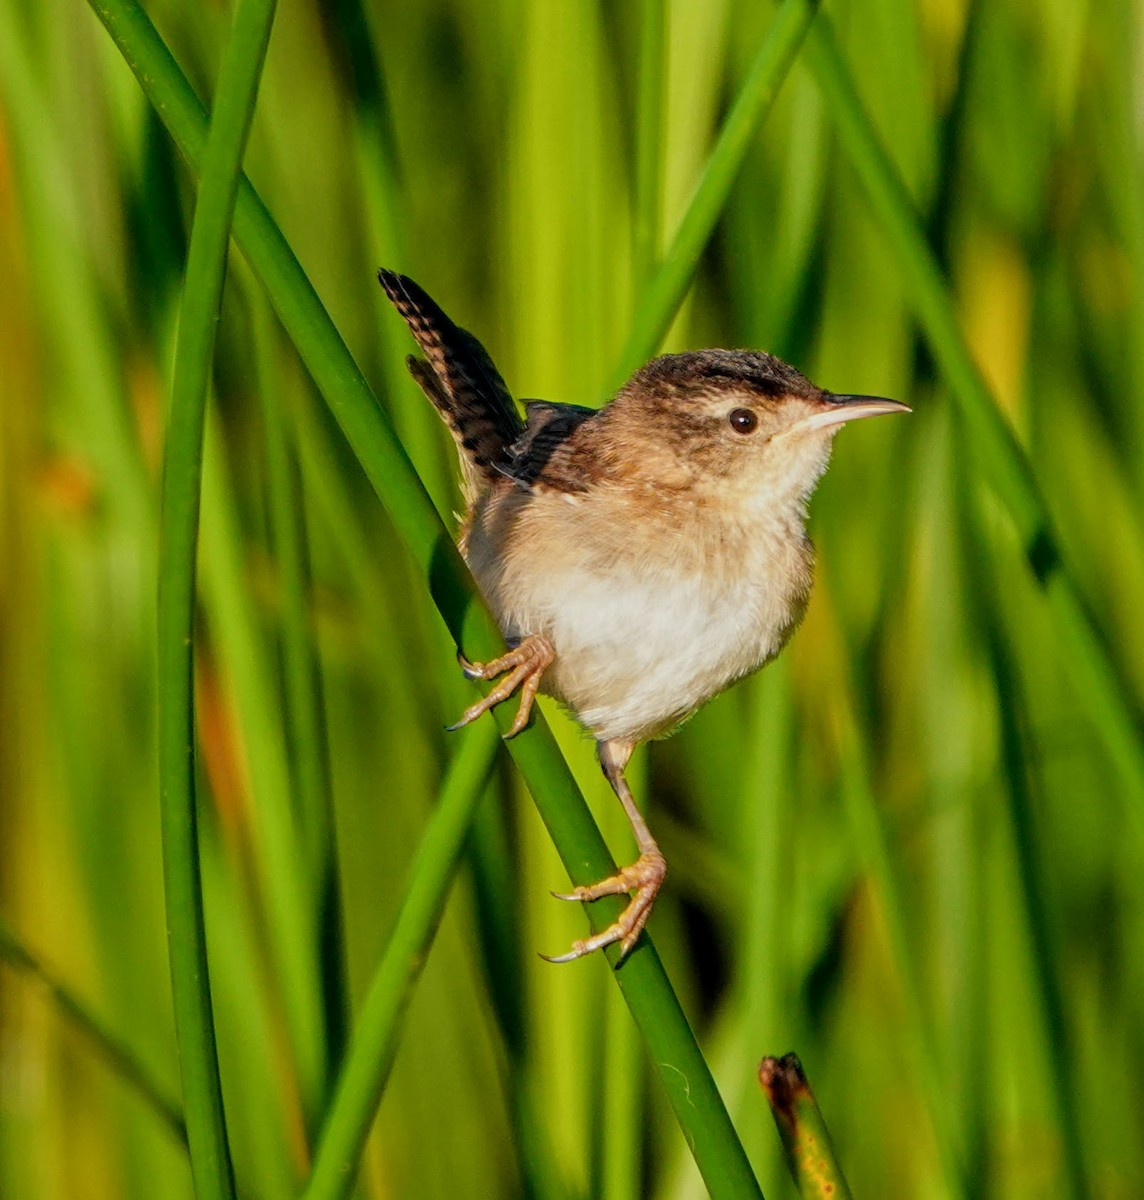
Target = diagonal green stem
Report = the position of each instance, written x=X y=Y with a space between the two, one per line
x=1003 y=462
x=206 y=264
x=667 y=1036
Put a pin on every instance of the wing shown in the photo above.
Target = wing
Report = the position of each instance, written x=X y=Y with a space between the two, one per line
x=461 y=380
x=552 y=454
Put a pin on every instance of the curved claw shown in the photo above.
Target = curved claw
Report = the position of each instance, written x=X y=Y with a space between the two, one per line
x=572 y=954
x=646 y=876
x=525 y=664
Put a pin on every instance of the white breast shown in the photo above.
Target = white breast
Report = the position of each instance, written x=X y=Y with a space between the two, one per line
x=637 y=656
x=644 y=632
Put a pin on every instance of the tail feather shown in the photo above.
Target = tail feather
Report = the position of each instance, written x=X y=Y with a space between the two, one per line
x=461 y=380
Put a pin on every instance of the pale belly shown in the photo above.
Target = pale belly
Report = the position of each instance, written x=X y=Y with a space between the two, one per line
x=648 y=617
x=635 y=655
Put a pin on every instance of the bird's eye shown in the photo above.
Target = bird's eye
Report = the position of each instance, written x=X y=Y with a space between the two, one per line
x=743 y=420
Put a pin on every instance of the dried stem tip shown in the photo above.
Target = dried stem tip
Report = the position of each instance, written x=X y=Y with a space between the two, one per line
x=806 y=1140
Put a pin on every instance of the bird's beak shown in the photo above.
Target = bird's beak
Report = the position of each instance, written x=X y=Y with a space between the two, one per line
x=836 y=410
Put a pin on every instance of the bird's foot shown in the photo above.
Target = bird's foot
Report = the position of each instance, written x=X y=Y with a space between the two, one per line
x=646 y=875
x=525 y=664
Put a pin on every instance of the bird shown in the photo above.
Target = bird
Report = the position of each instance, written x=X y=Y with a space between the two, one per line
x=639 y=558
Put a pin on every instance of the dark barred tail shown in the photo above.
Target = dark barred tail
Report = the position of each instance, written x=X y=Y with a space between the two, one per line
x=460 y=379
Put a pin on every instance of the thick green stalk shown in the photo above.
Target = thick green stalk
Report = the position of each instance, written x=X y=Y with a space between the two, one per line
x=1002 y=460
x=665 y=292
x=374 y=1043
x=668 y=1038
x=202 y=294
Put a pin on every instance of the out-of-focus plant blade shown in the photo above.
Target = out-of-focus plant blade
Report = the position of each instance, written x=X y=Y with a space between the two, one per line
x=309 y=761
x=1003 y=462
x=649 y=139
x=374 y=1042
x=120 y=1056
x=665 y=291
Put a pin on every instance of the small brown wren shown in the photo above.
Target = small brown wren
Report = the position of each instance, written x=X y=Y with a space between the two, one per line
x=641 y=557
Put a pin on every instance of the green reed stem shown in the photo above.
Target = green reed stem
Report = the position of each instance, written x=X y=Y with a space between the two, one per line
x=206 y=264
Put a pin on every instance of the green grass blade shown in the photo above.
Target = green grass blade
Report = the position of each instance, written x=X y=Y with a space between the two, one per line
x=667 y=1035
x=665 y=292
x=375 y=1039
x=206 y=265
x=806 y=1140
x=1003 y=462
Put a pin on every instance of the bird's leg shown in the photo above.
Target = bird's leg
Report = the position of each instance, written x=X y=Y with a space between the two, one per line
x=646 y=874
x=525 y=664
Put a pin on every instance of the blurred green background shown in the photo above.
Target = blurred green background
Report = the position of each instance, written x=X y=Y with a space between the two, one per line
x=904 y=851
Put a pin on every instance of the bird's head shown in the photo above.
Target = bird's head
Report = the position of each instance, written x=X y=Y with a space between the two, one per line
x=730 y=426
